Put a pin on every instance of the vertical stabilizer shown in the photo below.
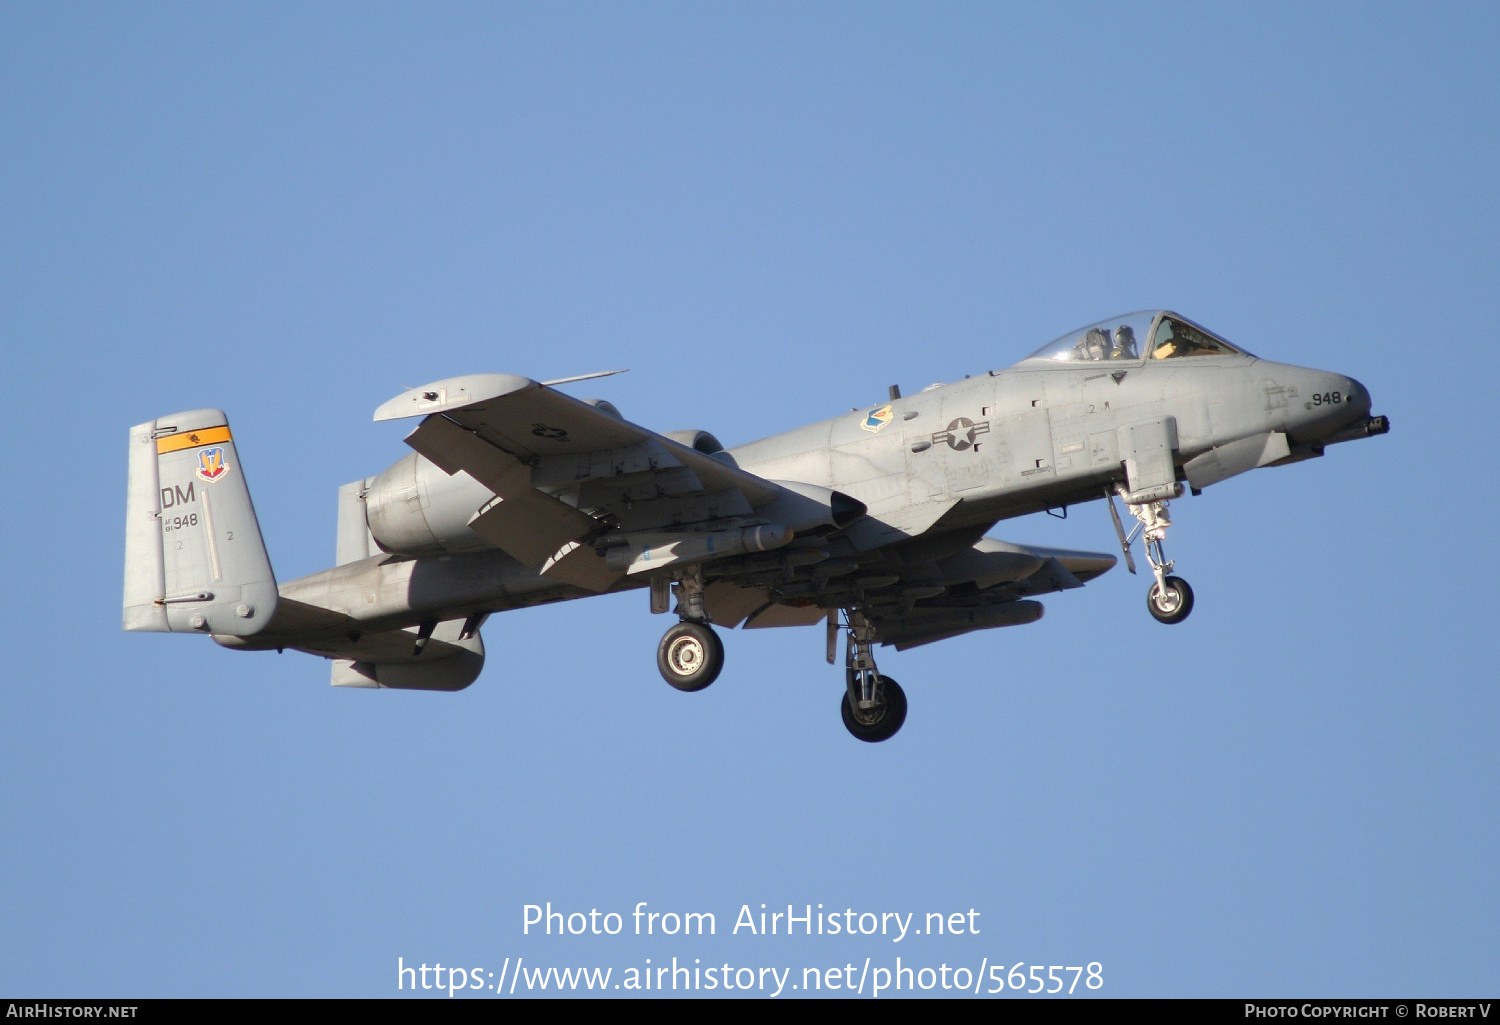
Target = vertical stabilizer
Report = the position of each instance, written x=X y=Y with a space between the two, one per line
x=194 y=558
x=354 y=540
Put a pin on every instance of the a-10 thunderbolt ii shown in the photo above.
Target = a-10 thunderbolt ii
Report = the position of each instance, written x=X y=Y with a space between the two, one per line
x=517 y=494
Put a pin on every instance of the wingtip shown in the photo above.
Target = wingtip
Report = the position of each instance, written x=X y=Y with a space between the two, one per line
x=452 y=393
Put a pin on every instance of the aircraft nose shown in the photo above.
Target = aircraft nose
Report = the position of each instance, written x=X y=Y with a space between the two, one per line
x=1327 y=403
x=1359 y=398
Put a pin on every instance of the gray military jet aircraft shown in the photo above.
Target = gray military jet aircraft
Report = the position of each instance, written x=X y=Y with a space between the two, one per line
x=517 y=494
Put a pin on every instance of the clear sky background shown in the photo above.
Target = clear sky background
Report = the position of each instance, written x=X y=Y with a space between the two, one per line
x=768 y=213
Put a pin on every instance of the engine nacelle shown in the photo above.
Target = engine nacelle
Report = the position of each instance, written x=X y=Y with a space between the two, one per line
x=604 y=406
x=414 y=508
x=698 y=441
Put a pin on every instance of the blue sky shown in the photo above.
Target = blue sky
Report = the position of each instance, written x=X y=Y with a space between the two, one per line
x=769 y=213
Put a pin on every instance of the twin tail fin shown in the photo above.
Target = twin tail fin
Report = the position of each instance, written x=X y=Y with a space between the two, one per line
x=194 y=558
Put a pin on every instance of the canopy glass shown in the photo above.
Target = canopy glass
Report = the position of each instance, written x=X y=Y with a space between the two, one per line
x=1148 y=334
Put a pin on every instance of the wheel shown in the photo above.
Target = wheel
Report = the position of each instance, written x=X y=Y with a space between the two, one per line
x=1173 y=604
x=690 y=656
x=879 y=723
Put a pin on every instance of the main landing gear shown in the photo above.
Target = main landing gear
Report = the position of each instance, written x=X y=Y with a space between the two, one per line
x=1170 y=598
x=690 y=654
x=873 y=706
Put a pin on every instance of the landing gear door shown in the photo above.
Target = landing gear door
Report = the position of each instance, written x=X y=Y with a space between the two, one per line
x=1146 y=449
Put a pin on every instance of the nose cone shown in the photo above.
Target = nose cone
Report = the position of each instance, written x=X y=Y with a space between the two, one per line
x=1325 y=403
x=1359 y=398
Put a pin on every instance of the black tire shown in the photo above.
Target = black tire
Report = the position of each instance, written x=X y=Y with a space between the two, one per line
x=884 y=723
x=690 y=656
x=1174 y=605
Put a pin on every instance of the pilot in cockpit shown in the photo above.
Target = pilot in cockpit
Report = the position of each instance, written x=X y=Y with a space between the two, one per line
x=1094 y=346
x=1124 y=347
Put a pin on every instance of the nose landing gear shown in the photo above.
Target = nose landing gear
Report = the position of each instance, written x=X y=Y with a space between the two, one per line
x=873 y=706
x=1170 y=601
x=883 y=719
x=1170 y=598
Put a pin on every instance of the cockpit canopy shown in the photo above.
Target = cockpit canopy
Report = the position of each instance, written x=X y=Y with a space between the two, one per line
x=1149 y=334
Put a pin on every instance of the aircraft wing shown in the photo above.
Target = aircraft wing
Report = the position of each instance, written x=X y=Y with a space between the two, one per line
x=564 y=471
x=974 y=587
x=989 y=585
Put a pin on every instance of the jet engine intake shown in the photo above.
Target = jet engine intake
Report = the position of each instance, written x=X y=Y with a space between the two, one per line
x=698 y=441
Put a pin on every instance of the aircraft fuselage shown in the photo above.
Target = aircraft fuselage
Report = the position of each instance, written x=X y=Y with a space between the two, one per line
x=947 y=459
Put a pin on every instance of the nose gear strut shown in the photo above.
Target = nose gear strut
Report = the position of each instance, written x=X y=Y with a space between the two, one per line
x=874 y=706
x=1170 y=598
